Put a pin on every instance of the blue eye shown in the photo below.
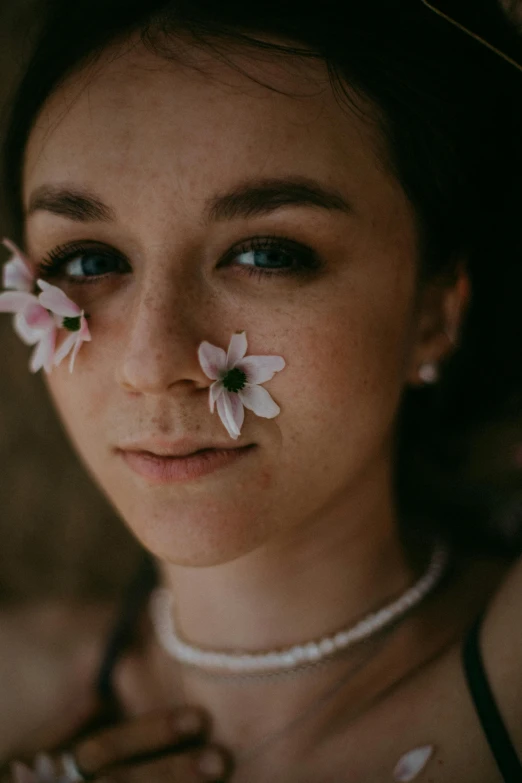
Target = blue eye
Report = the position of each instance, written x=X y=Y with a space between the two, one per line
x=82 y=262
x=90 y=265
x=275 y=257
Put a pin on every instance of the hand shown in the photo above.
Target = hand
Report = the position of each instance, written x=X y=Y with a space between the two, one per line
x=164 y=747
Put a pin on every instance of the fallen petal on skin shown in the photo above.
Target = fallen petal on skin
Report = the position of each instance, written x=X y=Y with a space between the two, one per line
x=258 y=400
x=55 y=300
x=18 y=273
x=412 y=763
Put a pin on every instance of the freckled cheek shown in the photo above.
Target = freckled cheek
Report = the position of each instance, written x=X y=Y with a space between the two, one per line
x=343 y=372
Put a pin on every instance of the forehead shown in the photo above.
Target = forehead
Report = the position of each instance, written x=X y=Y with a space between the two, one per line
x=137 y=128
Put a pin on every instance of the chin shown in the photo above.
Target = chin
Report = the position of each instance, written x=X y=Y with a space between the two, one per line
x=210 y=536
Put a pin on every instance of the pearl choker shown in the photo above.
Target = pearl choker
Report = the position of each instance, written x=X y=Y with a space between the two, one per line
x=298 y=655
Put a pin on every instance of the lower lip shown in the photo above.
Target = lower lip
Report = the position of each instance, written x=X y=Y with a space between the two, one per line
x=168 y=470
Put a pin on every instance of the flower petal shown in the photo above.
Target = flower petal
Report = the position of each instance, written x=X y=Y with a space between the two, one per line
x=44 y=768
x=258 y=400
x=26 y=334
x=213 y=360
x=44 y=353
x=17 y=276
x=85 y=334
x=15 y=301
x=409 y=765
x=37 y=317
x=66 y=346
x=259 y=369
x=237 y=349
x=18 y=272
x=231 y=413
x=55 y=300
x=22 y=774
x=31 y=324
x=215 y=391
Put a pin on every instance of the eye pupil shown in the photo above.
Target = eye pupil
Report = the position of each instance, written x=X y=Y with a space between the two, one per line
x=270 y=258
x=95 y=265
x=90 y=265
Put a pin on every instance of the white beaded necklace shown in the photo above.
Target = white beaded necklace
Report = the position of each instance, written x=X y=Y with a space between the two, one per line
x=299 y=655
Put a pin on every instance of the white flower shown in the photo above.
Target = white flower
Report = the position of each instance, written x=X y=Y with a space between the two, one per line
x=236 y=382
x=71 y=318
x=38 y=319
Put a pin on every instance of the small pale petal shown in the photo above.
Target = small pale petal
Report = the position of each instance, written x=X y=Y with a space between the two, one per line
x=44 y=353
x=22 y=774
x=37 y=317
x=259 y=369
x=15 y=301
x=55 y=300
x=85 y=334
x=258 y=400
x=26 y=334
x=32 y=323
x=65 y=347
x=18 y=272
x=213 y=360
x=231 y=413
x=215 y=391
x=74 y=354
x=412 y=763
x=44 y=768
x=237 y=349
x=17 y=276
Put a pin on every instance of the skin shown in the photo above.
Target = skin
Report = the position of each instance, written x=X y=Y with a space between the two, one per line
x=301 y=537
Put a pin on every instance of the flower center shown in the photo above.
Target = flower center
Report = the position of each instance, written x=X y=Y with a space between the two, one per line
x=72 y=324
x=234 y=380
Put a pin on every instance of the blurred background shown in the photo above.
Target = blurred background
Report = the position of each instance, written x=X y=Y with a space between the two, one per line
x=59 y=538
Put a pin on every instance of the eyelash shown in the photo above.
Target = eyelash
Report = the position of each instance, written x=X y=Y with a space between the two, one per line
x=307 y=260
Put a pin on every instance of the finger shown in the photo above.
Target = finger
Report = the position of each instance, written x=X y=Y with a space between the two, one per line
x=144 y=737
x=209 y=765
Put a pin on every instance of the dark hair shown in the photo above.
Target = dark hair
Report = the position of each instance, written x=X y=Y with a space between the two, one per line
x=450 y=111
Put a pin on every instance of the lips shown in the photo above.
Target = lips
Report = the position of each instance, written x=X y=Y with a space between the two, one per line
x=184 y=447
x=166 y=469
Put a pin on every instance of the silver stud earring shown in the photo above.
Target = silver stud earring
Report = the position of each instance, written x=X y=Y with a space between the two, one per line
x=429 y=372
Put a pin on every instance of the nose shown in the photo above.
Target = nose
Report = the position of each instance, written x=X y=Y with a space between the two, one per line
x=161 y=342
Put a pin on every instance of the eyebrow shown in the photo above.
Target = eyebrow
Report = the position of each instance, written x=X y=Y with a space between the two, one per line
x=248 y=200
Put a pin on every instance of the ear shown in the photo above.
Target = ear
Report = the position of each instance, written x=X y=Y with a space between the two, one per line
x=440 y=313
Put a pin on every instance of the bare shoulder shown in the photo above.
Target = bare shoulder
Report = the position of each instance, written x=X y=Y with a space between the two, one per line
x=501 y=647
x=50 y=651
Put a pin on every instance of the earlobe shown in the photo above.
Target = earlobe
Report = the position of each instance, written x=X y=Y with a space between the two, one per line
x=440 y=320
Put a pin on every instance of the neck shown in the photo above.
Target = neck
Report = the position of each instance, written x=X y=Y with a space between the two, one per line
x=337 y=567
x=331 y=570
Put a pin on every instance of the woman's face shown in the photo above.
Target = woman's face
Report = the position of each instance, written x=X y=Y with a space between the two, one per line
x=184 y=177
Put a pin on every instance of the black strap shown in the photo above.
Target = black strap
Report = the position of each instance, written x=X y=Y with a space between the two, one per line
x=124 y=629
x=488 y=712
